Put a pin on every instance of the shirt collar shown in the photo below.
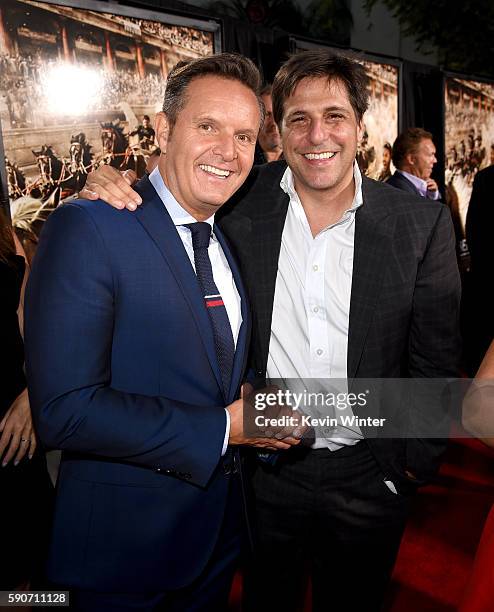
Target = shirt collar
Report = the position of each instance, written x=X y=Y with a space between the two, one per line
x=288 y=186
x=416 y=181
x=178 y=214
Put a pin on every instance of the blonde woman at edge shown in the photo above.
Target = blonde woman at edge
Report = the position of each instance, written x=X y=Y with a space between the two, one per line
x=478 y=419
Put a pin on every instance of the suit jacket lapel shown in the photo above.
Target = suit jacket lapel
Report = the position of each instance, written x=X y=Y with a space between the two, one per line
x=241 y=351
x=267 y=230
x=371 y=244
x=155 y=219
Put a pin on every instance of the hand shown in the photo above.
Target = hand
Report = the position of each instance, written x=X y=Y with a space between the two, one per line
x=236 y=411
x=113 y=187
x=276 y=415
x=432 y=185
x=17 y=431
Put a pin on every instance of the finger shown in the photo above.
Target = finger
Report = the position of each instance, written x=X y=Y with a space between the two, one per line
x=108 y=192
x=33 y=445
x=279 y=445
x=291 y=441
x=24 y=444
x=130 y=176
x=5 y=438
x=87 y=194
x=118 y=183
x=272 y=444
x=246 y=390
x=12 y=448
x=291 y=426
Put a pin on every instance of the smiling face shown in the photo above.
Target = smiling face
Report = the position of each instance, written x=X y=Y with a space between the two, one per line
x=423 y=159
x=320 y=132
x=210 y=150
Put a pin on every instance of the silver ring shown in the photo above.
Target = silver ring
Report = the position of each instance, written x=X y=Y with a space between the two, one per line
x=24 y=440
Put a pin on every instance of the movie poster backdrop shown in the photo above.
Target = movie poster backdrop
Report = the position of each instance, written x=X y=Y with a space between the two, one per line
x=381 y=119
x=76 y=83
x=469 y=135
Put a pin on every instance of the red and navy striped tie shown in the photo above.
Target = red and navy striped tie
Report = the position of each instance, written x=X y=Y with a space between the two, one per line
x=222 y=331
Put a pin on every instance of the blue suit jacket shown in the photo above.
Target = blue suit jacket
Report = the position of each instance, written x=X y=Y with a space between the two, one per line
x=123 y=377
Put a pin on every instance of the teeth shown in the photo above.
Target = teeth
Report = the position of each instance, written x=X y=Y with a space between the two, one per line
x=326 y=155
x=216 y=171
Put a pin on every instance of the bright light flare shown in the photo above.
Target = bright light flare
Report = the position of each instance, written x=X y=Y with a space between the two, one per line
x=72 y=90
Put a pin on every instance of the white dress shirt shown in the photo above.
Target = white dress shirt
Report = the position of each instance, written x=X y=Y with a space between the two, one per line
x=309 y=330
x=222 y=274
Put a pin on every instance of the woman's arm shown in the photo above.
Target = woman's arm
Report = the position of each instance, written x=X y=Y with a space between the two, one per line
x=478 y=405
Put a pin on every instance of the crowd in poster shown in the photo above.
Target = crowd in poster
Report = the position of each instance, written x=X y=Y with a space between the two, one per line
x=78 y=87
x=469 y=135
x=380 y=121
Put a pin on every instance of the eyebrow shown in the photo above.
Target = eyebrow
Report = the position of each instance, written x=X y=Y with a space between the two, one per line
x=250 y=132
x=327 y=109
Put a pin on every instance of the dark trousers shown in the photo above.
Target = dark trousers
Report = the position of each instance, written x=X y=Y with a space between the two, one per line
x=330 y=516
x=208 y=593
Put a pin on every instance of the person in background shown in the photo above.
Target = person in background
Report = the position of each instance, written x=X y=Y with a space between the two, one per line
x=414 y=157
x=268 y=146
x=478 y=419
x=25 y=488
x=145 y=132
x=385 y=172
x=478 y=303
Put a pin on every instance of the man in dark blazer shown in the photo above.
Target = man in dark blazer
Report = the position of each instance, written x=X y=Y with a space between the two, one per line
x=134 y=377
x=414 y=156
x=347 y=277
x=478 y=320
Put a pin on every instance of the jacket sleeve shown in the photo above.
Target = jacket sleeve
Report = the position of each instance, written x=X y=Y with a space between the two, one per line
x=435 y=349
x=70 y=310
x=435 y=344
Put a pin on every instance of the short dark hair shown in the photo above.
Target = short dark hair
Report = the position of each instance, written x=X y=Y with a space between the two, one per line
x=146 y=117
x=408 y=142
x=232 y=66
x=388 y=147
x=320 y=63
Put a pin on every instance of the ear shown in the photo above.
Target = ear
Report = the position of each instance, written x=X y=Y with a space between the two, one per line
x=410 y=159
x=162 y=128
x=360 y=130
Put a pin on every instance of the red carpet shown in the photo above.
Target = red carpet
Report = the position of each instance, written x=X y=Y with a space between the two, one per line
x=443 y=532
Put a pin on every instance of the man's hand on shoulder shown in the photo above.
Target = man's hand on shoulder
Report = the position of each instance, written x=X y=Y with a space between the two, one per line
x=114 y=187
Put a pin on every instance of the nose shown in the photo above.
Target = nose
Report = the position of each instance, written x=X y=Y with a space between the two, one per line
x=317 y=132
x=226 y=147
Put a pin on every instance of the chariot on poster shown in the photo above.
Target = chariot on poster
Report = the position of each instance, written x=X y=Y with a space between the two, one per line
x=77 y=84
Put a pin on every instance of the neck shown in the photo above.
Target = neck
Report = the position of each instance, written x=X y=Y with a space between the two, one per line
x=325 y=207
x=411 y=170
x=199 y=213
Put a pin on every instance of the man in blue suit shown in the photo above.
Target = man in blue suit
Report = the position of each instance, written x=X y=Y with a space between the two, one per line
x=136 y=334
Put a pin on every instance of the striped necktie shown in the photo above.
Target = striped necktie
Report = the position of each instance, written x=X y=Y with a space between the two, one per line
x=222 y=331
